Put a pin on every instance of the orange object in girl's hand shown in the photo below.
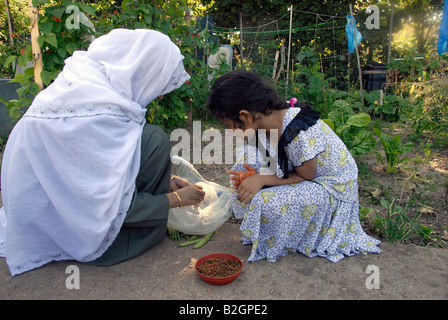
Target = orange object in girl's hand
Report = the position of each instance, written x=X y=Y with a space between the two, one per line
x=239 y=176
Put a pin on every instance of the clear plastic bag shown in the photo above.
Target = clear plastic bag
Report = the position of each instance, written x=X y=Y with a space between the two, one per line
x=212 y=213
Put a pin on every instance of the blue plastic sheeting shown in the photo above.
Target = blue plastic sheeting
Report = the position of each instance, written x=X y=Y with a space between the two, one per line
x=442 y=44
x=351 y=35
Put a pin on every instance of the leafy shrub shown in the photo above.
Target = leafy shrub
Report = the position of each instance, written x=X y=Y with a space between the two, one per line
x=393 y=149
x=59 y=40
x=350 y=127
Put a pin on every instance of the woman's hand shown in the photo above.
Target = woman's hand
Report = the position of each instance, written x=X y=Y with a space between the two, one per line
x=178 y=183
x=190 y=195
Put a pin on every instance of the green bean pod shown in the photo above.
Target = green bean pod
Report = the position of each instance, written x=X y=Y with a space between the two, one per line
x=204 y=240
x=188 y=243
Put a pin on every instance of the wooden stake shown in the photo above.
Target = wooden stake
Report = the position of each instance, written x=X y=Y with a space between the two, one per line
x=282 y=63
x=277 y=53
x=357 y=56
x=241 y=32
x=10 y=27
x=391 y=22
x=188 y=69
x=323 y=75
x=289 y=48
x=37 y=53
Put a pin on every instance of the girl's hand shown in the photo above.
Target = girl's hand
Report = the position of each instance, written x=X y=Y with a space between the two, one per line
x=239 y=176
x=247 y=189
x=177 y=183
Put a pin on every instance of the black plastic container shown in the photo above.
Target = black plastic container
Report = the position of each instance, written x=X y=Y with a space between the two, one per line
x=374 y=77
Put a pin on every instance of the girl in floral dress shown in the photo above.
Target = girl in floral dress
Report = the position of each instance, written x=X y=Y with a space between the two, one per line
x=310 y=203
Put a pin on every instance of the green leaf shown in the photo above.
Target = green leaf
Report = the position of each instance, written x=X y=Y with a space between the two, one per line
x=378 y=132
x=57 y=28
x=71 y=47
x=385 y=203
x=148 y=19
x=47 y=77
x=9 y=60
x=359 y=120
x=58 y=12
x=51 y=39
x=15 y=114
x=18 y=78
x=62 y=52
x=34 y=89
x=29 y=71
x=340 y=130
x=41 y=40
x=388 y=108
x=46 y=27
x=362 y=143
x=87 y=8
x=22 y=91
x=5 y=102
x=408 y=147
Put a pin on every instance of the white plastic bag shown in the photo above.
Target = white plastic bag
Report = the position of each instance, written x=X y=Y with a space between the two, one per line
x=212 y=213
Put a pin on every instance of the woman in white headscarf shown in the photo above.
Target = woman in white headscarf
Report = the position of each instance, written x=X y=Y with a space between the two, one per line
x=83 y=177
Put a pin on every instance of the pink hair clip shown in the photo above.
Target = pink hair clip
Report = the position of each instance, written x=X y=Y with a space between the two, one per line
x=292 y=102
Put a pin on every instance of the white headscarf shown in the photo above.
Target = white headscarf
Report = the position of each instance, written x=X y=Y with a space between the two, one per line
x=70 y=164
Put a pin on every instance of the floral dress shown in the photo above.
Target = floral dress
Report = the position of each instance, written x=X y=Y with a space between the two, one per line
x=315 y=218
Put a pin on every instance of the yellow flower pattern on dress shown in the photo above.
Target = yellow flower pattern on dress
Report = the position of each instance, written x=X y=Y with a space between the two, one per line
x=343 y=158
x=331 y=232
x=343 y=245
x=255 y=244
x=320 y=161
x=247 y=233
x=307 y=250
x=350 y=184
x=270 y=242
x=311 y=228
x=340 y=187
x=325 y=129
x=312 y=142
x=309 y=211
x=264 y=220
x=285 y=208
x=352 y=228
x=323 y=230
x=326 y=153
x=266 y=195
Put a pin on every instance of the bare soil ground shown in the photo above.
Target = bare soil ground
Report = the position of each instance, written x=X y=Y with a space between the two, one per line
x=427 y=168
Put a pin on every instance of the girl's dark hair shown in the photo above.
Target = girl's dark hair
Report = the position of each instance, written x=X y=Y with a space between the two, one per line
x=242 y=90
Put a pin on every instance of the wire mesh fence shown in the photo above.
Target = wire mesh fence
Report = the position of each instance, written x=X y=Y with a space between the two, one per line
x=277 y=45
